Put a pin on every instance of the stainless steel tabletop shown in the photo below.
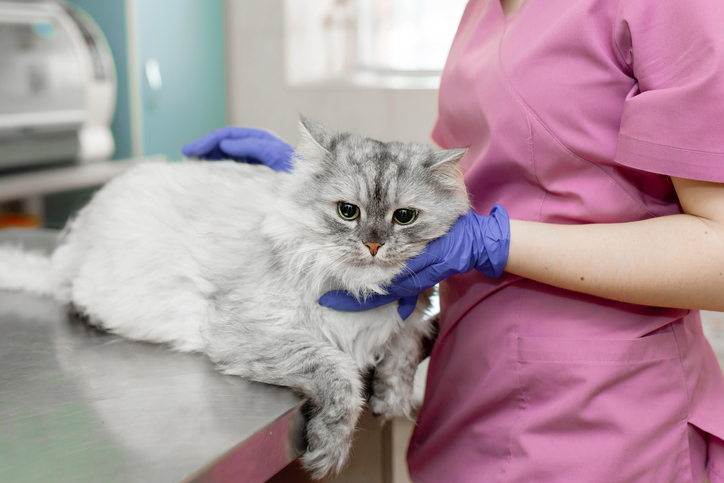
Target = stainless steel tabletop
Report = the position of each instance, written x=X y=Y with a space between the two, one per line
x=80 y=405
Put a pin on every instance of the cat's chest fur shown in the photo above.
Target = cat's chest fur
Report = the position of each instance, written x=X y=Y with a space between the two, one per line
x=275 y=299
x=362 y=335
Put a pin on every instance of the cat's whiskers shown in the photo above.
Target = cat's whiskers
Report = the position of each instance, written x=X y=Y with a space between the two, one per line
x=311 y=261
x=304 y=260
x=329 y=268
x=327 y=273
x=294 y=254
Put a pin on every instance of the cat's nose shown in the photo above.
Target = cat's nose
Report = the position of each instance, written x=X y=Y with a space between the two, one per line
x=373 y=247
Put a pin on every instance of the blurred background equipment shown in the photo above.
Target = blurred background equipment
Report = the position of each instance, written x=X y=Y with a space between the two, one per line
x=114 y=82
x=57 y=86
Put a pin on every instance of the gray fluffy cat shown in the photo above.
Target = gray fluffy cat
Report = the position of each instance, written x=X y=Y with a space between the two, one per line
x=230 y=259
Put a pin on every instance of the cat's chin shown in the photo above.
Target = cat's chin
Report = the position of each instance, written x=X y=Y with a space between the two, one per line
x=369 y=279
x=381 y=264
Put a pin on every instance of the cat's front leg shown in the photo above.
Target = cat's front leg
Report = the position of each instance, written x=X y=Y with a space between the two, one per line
x=392 y=382
x=323 y=374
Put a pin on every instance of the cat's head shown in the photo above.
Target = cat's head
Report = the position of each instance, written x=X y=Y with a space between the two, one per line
x=365 y=207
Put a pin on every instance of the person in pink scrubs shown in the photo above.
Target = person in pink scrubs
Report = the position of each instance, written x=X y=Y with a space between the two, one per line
x=599 y=126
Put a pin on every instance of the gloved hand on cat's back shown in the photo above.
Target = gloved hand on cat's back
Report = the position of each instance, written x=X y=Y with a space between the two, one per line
x=474 y=242
x=243 y=144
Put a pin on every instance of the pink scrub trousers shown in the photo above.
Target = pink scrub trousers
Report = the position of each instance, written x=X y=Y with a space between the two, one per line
x=576 y=112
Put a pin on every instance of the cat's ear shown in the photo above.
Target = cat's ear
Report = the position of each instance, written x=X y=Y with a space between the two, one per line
x=447 y=164
x=447 y=161
x=315 y=140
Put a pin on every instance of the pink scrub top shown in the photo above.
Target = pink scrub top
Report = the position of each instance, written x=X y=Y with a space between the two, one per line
x=576 y=111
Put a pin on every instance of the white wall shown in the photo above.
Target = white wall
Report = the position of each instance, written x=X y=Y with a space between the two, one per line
x=260 y=97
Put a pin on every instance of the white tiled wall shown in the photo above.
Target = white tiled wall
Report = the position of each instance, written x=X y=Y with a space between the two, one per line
x=260 y=97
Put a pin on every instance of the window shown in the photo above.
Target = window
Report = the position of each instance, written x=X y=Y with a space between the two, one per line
x=378 y=43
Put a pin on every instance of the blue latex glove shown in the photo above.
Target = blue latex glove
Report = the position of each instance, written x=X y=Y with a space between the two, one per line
x=474 y=242
x=243 y=144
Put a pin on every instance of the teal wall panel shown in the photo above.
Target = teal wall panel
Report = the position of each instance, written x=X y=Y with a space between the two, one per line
x=186 y=38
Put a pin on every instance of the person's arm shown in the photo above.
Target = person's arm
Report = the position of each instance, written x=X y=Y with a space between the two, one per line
x=672 y=261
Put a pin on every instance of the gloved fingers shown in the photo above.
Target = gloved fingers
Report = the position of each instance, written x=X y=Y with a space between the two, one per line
x=418 y=263
x=240 y=132
x=441 y=249
x=435 y=253
x=454 y=252
x=416 y=283
x=215 y=154
x=236 y=132
x=245 y=147
x=406 y=306
x=200 y=147
x=261 y=134
x=341 y=300
x=203 y=145
x=273 y=153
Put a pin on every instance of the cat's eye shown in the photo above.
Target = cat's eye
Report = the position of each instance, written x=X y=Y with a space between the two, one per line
x=347 y=211
x=404 y=216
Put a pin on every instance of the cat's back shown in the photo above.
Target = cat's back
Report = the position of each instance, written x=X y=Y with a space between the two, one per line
x=151 y=248
x=193 y=183
x=188 y=197
x=181 y=217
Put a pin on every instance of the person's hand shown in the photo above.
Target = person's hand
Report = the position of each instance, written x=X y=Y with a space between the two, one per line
x=242 y=144
x=474 y=242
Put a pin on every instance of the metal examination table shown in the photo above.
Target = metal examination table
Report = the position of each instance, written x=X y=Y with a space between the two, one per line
x=80 y=405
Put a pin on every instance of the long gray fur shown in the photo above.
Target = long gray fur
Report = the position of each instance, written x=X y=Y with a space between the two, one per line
x=230 y=260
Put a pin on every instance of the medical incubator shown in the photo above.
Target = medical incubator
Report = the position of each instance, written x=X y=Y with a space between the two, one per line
x=57 y=86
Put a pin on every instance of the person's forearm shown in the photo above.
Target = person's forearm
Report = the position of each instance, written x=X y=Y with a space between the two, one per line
x=672 y=261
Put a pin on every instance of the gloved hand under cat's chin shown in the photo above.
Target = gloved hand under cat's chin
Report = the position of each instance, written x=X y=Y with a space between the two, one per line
x=473 y=242
x=242 y=144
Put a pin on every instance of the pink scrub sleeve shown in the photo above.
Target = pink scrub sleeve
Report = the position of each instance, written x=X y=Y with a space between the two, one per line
x=673 y=119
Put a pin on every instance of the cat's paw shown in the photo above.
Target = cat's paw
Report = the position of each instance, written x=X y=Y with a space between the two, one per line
x=328 y=446
x=386 y=403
